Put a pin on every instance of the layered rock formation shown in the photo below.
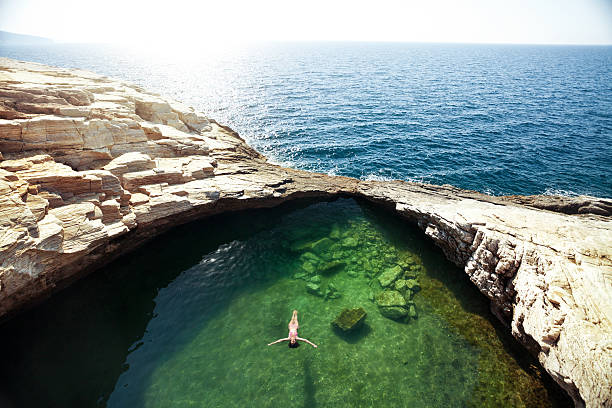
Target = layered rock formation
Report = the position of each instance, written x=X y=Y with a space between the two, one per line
x=92 y=167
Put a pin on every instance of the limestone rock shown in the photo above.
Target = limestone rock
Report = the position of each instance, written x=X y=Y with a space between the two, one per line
x=130 y=163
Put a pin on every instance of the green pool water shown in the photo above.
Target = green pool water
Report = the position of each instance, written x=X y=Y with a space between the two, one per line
x=185 y=322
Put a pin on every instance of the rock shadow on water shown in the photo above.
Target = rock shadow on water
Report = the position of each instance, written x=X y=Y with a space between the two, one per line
x=353 y=336
x=309 y=386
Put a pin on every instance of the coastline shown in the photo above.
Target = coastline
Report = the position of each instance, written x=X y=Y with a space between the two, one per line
x=92 y=168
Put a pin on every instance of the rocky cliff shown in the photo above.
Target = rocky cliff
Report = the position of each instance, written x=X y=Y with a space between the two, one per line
x=92 y=167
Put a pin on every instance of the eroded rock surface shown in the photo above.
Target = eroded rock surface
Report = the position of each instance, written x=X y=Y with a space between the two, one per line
x=92 y=167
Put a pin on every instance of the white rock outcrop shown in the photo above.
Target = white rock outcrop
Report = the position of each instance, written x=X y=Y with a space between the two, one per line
x=92 y=167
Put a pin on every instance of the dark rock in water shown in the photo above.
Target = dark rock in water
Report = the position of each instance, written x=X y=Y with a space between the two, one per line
x=322 y=245
x=300 y=246
x=309 y=256
x=337 y=255
x=331 y=267
x=413 y=271
x=335 y=232
x=314 y=289
x=400 y=286
x=412 y=312
x=413 y=285
x=350 y=319
x=375 y=285
x=391 y=304
x=315 y=279
x=350 y=242
x=299 y=275
x=308 y=267
x=393 y=312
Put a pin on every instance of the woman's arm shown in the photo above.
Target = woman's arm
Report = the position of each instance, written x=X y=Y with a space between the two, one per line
x=278 y=341
x=308 y=341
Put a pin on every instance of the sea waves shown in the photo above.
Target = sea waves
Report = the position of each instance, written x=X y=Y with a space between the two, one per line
x=497 y=119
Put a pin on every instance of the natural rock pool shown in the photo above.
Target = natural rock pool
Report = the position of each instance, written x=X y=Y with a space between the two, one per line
x=184 y=321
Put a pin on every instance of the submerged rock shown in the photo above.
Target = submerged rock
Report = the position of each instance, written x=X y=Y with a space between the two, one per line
x=314 y=289
x=400 y=286
x=337 y=255
x=350 y=242
x=413 y=285
x=309 y=256
x=414 y=271
x=321 y=246
x=391 y=304
x=299 y=275
x=331 y=267
x=393 y=312
x=412 y=311
x=390 y=275
x=308 y=267
x=301 y=245
x=315 y=279
x=331 y=292
x=335 y=232
x=350 y=319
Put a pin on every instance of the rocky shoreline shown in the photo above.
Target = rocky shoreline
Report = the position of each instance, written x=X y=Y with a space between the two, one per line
x=92 y=168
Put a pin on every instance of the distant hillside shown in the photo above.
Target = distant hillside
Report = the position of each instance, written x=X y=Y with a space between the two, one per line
x=7 y=38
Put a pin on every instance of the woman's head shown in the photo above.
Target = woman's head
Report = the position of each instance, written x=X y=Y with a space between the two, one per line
x=293 y=343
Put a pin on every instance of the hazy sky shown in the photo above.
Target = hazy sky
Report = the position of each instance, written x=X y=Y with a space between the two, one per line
x=185 y=22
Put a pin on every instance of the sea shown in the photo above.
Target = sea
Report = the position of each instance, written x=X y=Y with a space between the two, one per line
x=499 y=119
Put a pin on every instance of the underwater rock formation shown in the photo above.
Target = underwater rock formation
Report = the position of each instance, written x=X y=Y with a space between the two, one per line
x=350 y=319
x=392 y=304
x=314 y=289
x=92 y=168
x=389 y=276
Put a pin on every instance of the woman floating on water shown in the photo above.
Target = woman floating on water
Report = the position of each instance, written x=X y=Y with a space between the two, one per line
x=293 y=337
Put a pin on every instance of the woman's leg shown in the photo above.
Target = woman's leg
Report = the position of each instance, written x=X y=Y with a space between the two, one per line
x=294 y=319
